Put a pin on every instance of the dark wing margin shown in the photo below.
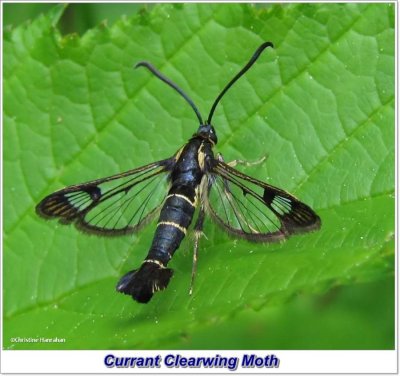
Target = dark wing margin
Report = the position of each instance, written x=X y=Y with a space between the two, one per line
x=116 y=205
x=251 y=209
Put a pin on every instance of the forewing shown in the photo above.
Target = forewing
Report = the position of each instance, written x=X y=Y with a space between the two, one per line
x=116 y=205
x=249 y=208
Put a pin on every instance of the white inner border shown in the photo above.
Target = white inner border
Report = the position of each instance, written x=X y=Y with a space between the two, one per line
x=90 y=361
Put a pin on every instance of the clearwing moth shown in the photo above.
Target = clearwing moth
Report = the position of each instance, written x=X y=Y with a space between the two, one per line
x=172 y=189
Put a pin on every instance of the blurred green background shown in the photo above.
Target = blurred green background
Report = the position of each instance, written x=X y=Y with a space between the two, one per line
x=77 y=18
x=359 y=316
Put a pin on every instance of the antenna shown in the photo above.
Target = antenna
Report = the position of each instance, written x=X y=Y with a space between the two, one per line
x=170 y=83
x=240 y=74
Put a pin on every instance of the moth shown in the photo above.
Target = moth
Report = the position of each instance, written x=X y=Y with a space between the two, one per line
x=173 y=188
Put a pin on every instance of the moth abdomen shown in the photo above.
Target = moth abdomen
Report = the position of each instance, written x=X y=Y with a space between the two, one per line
x=175 y=218
x=142 y=283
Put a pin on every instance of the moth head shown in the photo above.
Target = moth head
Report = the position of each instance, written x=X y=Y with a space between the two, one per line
x=207 y=132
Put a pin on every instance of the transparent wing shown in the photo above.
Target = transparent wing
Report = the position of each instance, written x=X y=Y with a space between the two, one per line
x=116 y=205
x=249 y=208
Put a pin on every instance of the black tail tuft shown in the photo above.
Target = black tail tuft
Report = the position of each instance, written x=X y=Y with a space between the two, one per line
x=142 y=283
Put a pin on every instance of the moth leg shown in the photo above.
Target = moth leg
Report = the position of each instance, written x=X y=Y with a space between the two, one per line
x=236 y=162
x=198 y=232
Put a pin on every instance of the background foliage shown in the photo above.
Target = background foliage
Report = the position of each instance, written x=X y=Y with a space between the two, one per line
x=321 y=105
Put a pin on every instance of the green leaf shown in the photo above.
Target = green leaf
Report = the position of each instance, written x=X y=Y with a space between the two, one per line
x=320 y=105
x=345 y=318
